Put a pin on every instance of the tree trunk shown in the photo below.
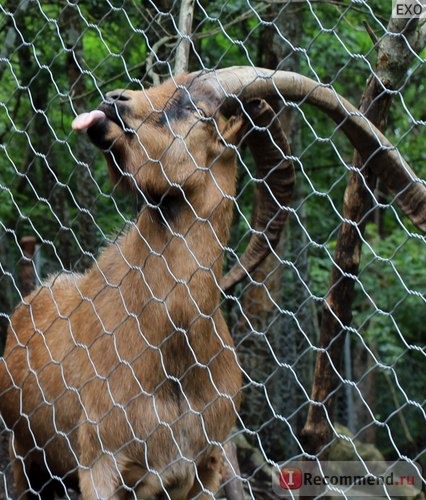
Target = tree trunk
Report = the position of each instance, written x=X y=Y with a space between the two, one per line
x=186 y=15
x=85 y=193
x=394 y=57
x=26 y=266
x=42 y=165
x=5 y=289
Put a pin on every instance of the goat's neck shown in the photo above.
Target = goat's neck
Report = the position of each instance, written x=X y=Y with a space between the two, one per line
x=181 y=240
x=166 y=272
x=188 y=233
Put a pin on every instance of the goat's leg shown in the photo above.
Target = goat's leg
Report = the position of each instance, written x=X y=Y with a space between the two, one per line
x=98 y=473
x=100 y=480
x=209 y=476
x=206 y=485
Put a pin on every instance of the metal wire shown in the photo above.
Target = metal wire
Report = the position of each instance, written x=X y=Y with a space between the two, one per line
x=57 y=60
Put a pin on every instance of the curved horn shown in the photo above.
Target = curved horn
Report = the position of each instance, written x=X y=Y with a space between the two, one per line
x=275 y=177
x=384 y=160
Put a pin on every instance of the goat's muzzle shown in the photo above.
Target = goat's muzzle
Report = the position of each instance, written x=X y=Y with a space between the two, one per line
x=115 y=107
x=101 y=124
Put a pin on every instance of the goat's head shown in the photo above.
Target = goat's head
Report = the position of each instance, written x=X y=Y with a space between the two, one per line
x=167 y=136
x=175 y=136
x=161 y=137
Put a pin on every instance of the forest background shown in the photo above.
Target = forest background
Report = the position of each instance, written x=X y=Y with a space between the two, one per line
x=58 y=59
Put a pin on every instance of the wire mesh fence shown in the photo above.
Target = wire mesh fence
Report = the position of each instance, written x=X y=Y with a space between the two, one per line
x=201 y=281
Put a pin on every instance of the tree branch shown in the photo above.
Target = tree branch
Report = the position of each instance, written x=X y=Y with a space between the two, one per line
x=185 y=28
x=395 y=54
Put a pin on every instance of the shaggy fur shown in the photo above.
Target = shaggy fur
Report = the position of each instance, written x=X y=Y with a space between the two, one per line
x=125 y=377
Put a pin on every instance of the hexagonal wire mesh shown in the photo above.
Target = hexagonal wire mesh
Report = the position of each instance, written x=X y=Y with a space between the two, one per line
x=119 y=376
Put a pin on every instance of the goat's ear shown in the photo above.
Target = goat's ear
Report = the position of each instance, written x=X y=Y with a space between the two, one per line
x=234 y=130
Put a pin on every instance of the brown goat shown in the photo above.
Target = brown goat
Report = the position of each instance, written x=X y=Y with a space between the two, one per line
x=126 y=376
x=125 y=379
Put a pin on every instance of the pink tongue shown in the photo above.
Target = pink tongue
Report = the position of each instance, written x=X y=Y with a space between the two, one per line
x=86 y=120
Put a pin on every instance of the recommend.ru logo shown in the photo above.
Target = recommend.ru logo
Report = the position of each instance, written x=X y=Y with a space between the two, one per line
x=350 y=479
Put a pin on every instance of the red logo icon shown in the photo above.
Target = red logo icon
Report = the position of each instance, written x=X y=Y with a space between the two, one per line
x=291 y=478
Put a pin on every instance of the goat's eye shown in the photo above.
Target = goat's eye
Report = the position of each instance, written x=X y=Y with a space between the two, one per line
x=199 y=113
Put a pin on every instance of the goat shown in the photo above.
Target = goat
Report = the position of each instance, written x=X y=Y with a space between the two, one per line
x=125 y=380
x=126 y=376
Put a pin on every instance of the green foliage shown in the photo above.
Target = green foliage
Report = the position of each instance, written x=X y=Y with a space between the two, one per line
x=41 y=165
x=391 y=301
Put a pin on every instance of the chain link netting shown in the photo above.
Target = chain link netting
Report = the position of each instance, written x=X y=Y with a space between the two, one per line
x=119 y=377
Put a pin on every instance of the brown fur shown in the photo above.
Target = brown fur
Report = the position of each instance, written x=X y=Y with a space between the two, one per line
x=125 y=377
